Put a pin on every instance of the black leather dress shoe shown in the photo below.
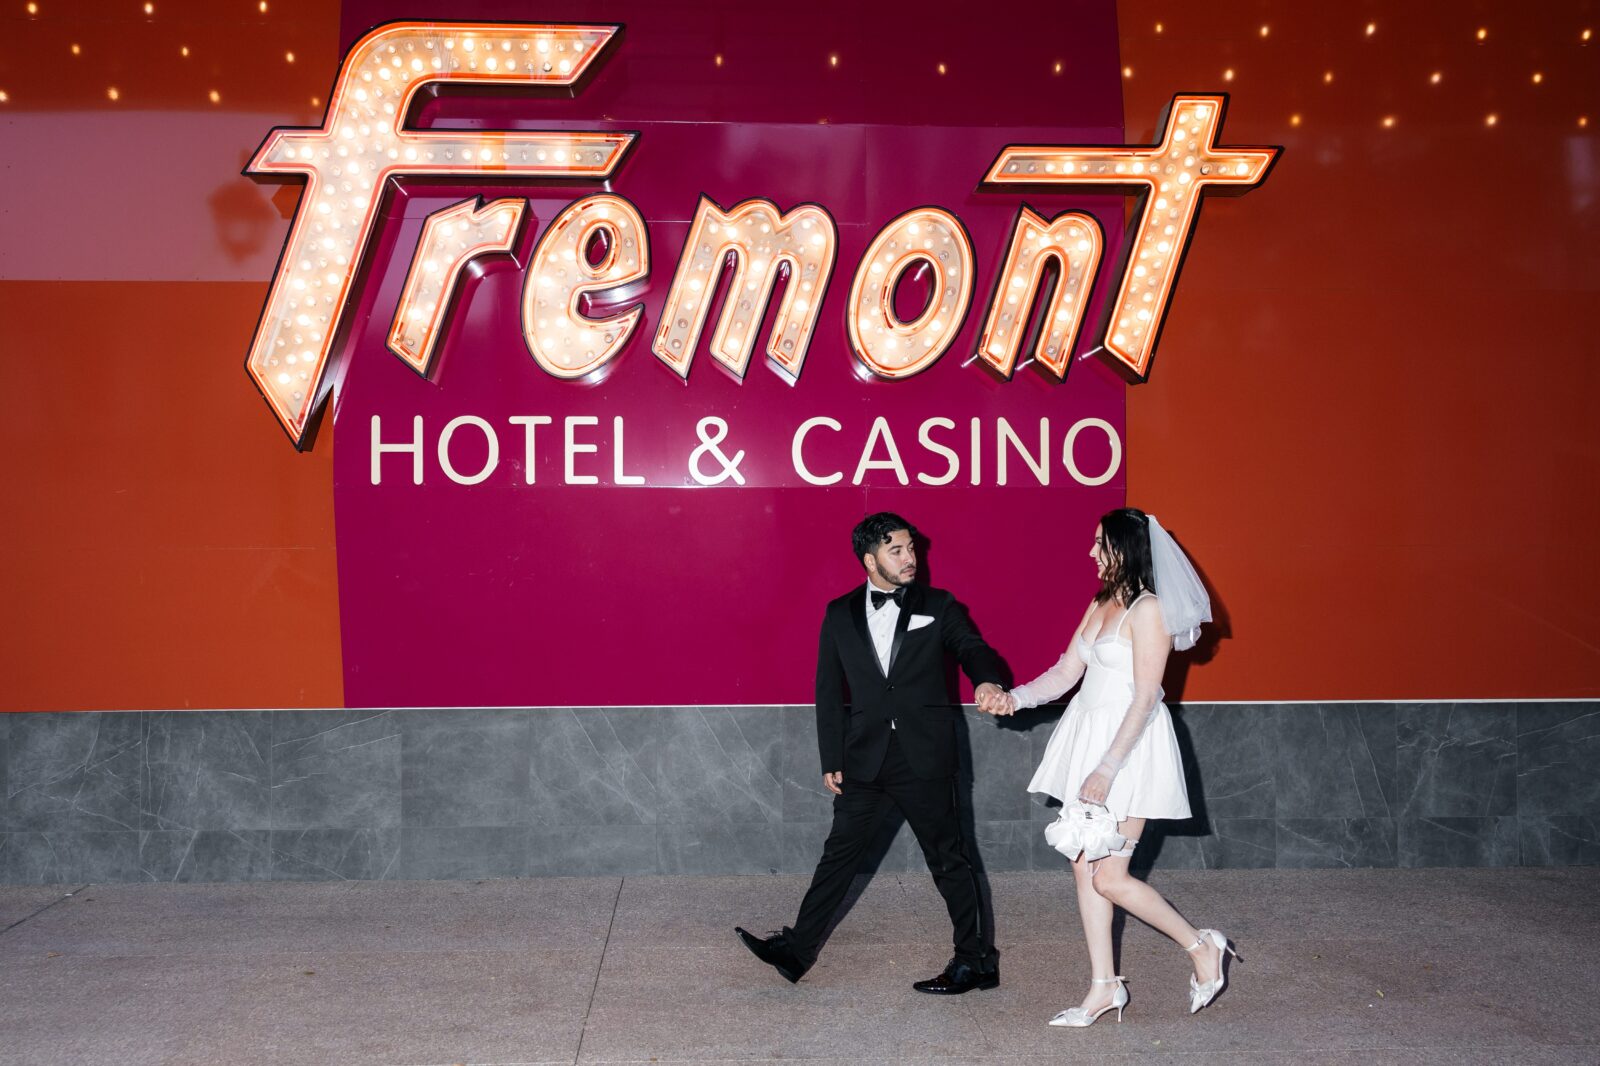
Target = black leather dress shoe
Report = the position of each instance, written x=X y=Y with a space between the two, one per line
x=957 y=978
x=777 y=952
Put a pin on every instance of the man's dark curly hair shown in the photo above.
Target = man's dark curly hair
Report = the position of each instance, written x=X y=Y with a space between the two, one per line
x=874 y=531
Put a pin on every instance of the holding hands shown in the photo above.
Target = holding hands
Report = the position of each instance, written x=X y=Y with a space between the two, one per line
x=992 y=700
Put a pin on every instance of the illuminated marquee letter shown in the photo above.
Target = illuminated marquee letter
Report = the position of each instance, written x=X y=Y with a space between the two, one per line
x=1173 y=174
x=362 y=143
x=451 y=238
x=933 y=240
x=563 y=340
x=1073 y=242
x=805 y=241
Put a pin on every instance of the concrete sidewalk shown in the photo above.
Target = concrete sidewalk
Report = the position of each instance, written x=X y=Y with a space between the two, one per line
x=1448 y=966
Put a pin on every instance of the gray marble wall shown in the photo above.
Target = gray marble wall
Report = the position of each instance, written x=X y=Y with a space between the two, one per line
x=333 y=794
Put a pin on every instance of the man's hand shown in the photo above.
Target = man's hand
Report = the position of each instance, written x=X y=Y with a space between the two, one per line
x=834 y=781
x=987 y=695
x=991 y=700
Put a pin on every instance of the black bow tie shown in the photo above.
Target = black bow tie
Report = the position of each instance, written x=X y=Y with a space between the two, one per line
x=881 y=598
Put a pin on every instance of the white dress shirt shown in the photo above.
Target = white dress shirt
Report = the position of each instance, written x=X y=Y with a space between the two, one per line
x=880 y=623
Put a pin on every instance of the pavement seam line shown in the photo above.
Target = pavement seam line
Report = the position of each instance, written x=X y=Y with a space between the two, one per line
x=41 y=910
x=598 y=970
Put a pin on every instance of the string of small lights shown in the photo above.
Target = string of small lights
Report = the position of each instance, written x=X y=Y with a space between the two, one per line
x=293 y=42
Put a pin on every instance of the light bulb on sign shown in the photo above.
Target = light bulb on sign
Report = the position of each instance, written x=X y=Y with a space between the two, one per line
x=564 y=341
x=761 y=242
x=1074 y=243
x=456 y=235
x=363 y=142
x=1172 y=176
x=929 y=238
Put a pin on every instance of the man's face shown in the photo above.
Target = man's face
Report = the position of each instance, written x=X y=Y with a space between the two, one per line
x=895 y=561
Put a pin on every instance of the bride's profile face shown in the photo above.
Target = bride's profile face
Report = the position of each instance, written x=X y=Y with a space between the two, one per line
x=1101 y=557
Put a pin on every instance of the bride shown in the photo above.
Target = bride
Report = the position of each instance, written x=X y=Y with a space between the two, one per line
x=1115 y=746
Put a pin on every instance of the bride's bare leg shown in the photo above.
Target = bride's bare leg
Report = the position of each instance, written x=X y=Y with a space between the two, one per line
x=1113 y=882
x=1095 y=910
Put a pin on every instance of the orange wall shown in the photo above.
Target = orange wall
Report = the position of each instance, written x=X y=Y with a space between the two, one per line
x=1368 y=418
x=1371 y=416
x=164 y=545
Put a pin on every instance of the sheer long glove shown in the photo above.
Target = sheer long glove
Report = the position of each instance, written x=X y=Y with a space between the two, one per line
x=1050 y=684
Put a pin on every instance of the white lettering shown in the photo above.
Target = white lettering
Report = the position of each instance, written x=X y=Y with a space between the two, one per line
x=952 y=460
x=1071 y=463
x=977 y=451
x=617 y=474
x=573 y=448
x=489 y=464
x=1004 y=435
x=529 y=424
x=799 y=442
x=379 y=448
x=880 y=429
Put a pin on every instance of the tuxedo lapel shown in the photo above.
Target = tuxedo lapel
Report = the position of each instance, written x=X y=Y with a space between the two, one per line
x=858 y=614
x=913 y=600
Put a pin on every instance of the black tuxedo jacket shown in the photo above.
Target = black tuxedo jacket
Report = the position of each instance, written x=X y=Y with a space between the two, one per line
x=853 y=728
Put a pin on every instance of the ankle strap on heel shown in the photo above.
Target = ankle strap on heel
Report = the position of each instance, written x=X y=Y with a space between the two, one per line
x=1106 y=980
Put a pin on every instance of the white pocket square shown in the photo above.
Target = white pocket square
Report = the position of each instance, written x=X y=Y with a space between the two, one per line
x=920 y=620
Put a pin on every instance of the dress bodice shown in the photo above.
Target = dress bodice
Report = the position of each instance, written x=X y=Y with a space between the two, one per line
x=1109 y=668
x=1108 y=653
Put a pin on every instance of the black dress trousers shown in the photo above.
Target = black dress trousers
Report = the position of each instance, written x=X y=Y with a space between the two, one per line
x=929 y=806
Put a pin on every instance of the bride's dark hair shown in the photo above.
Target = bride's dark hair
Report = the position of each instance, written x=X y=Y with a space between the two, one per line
x=1127 y=543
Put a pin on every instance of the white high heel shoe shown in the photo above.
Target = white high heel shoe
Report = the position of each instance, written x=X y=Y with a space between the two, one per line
x=1078 y=1018
x=1202 y=994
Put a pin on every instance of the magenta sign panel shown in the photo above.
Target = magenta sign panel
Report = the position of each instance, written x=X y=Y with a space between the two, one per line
x=642 y=536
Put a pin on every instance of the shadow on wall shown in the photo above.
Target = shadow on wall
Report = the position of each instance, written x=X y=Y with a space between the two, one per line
x=245 y=221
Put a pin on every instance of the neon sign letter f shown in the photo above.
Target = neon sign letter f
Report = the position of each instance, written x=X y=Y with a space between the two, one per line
x=363 y=142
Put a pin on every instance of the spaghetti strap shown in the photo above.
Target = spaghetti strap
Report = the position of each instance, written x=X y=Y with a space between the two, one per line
x=1121 y=621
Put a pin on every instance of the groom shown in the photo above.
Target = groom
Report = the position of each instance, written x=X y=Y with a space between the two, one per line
x=893 y=744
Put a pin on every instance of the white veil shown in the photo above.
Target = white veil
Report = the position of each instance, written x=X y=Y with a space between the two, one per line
x=1183 y=599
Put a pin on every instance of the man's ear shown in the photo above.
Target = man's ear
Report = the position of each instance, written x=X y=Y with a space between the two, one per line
x=870 y=562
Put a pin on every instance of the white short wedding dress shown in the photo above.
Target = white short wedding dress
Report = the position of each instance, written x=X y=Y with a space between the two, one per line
x=1150 y=783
